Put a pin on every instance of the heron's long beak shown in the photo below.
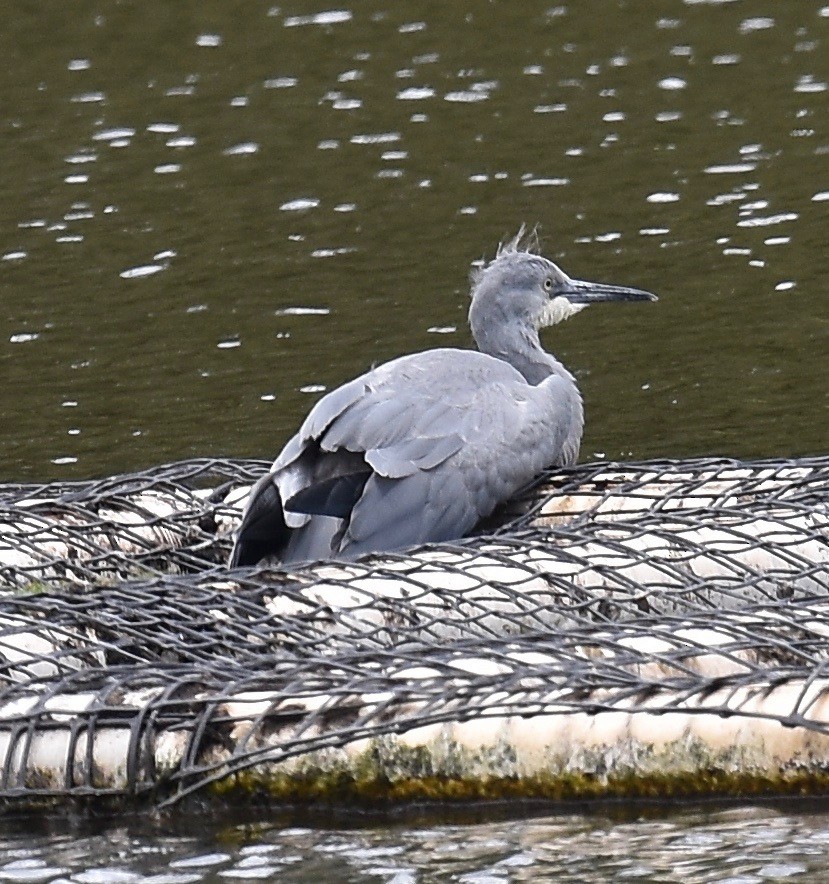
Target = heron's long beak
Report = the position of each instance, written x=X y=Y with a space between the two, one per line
x=579 y=291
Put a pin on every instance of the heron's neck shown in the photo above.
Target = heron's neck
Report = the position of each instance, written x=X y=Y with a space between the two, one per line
x=522 y=350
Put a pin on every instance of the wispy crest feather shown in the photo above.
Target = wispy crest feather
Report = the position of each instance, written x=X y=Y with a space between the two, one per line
x=525 y=241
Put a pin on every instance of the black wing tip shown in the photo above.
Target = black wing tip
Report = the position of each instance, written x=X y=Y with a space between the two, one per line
x=246 y=554
x=263 y=532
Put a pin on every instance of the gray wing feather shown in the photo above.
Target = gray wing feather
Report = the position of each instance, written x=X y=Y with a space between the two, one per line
x=383 y=417
x=413 y=455
x=427 y=507
x=447 y=435
x=315 y=541
x=319 y=419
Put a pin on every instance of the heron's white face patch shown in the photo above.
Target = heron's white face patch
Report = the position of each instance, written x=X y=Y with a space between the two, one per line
x=557 y=310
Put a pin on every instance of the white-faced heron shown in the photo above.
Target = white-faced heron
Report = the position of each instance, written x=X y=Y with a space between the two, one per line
x=423 y=447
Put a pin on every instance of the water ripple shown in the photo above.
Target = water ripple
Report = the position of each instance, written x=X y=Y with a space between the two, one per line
x=550 y=108
x=302 y=311
x=300 y=205
x=88 y=98
x=545 y=182
x=730 y=168
x=163 y=128
x=808 y=84
x=243 y=149
x=379 y=138
x=768 y=220
x=141 y=271
x=466 y=96
x=416 y=93
x=331 y=17
x=758 y=23
x=116 y=134
x=280 y=82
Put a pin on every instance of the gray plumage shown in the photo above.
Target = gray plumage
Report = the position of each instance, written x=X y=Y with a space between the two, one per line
x=423 y=447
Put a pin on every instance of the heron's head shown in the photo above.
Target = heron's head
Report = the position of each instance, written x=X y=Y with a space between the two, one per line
x=521 y=287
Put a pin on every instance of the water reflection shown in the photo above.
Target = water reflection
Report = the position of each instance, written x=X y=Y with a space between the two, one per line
x=738 y=845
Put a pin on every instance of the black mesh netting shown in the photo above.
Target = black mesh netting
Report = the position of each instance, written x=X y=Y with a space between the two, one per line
x=619 y=629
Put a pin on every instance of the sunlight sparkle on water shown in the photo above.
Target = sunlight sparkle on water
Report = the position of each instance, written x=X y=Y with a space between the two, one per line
x=416 y=93
x=117 y=134
x=768 y=220
x=246 y=147
x=331 y=17
x=300 y=205
x=141 y=271
x=727 y=168
x=465 y=96
x=280 y=82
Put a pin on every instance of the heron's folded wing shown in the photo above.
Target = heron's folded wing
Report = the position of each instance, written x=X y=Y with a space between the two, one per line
x=412 y=455
x=424 y=507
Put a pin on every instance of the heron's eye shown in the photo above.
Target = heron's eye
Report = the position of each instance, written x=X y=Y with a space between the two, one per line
x=548 y=283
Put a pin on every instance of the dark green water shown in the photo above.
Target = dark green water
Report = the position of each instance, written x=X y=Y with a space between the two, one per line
x=177 y=176
x=251 y=159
